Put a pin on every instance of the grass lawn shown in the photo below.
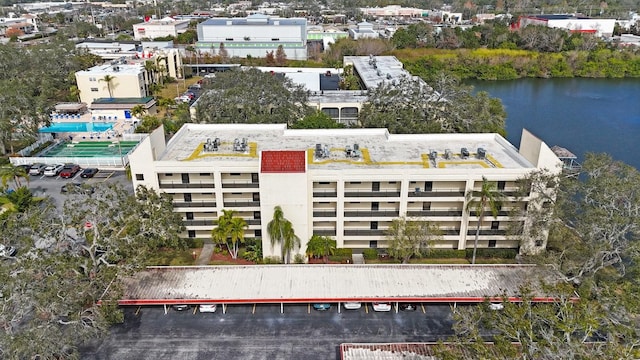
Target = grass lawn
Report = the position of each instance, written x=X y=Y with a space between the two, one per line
x=170 y=257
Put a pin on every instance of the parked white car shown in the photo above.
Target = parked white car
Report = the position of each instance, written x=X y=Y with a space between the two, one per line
x=496 y=306
x=381 y=307
x=53 y=170
x=207 y=308
x=352 y=305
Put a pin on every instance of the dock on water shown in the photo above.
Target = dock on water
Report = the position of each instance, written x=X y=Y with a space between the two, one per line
x=570 y=164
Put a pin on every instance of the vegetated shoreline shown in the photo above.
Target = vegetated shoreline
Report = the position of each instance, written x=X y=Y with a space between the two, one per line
x=507 y=64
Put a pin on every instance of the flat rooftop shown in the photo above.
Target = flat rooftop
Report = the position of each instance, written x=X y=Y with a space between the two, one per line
x=108 y=69
x=332 y=283
x=374 y=70
x=377 y=148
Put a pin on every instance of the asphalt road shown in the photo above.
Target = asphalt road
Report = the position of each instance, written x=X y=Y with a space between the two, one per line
x=299 y=333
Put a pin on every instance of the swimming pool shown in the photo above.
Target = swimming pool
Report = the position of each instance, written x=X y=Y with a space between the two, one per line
x=62 y=127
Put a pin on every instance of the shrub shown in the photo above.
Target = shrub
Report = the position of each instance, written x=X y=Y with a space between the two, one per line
x=343 y=252
x=272 y=260
x=370 y=254
x=298 y=259
x=195 y=243
x=493 y=253
x=446 y=254
x=339 y=258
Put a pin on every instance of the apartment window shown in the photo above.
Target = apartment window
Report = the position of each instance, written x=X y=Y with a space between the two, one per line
x=168 y=174
x=275 y=39
x=189 y=215
x=501 y=185
x=94 y=89
x=374 y=225
x=234 y=174
x=140 y=177
x=229 y=39
x=324 y=183
x=205 y=174
x=256 y=215
x=258 y=233
x=375 y=186
x=426 y=206
x=92 y=79
x=495 y=225
x=492 y=243
x=373 y=244
x=185 y=178
x=192 y=233
x=254 y=178
x=375 y=206
x=187 y=197
x=428 y=185
x=256 y=196
x=355 y=183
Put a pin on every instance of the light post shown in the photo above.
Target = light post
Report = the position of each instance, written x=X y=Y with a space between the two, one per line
x=119 y=152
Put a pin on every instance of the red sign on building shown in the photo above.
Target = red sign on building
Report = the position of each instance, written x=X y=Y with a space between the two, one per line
x=282 y=162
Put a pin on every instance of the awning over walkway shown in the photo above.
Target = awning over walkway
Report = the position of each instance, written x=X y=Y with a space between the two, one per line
x=331 y=283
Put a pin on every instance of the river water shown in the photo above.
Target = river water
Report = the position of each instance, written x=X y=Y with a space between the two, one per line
x=582 y=115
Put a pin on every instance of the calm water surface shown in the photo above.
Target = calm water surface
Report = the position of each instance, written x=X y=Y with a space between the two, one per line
x=582 y=115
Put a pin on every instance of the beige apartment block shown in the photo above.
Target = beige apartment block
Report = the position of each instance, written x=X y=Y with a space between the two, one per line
x=349 y=184
x=127 y=81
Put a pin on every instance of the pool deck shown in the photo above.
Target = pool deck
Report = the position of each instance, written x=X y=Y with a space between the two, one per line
x=120 y=126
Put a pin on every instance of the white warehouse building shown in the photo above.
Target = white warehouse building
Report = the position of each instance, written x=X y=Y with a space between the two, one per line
x=348 y=184
x=255 y=35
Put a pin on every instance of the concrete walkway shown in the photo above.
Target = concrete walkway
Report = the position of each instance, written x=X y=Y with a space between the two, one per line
x=205 y=254
x=357 y=258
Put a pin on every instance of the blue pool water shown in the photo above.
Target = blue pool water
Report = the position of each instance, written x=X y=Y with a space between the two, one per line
x=61 y=127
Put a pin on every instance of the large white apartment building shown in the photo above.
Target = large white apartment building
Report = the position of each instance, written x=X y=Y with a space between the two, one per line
x=160 y=28
x=348 y=184
x=255 y=35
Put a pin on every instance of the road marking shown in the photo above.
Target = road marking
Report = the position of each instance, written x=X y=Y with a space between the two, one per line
x=309 y=308
x=195 y=308
x=366 y=308
x=423 y=310
x=254 y=309
x=138 y=310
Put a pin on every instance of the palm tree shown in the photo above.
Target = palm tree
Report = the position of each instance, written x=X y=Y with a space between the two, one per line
x=230 y=231
x=321 y=246
x=15 y=173
x=109 y=80
x=138 y=110
x=489 y=197
x=281 y=231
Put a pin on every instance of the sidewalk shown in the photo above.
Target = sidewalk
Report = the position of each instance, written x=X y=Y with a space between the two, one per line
x=357 y=258
x=205 y=254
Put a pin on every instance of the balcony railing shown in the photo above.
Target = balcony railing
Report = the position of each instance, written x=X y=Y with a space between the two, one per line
x=369 y=213
x=487 y=232
x=192 y=204
x=436 y=193
x=238 y=185
x=325 y=214
x=434 y=213
x=365 y=232
x=324 y=232
x=252 y=221
x=368 y=193
x=454 y=232
x=198 y=222
x=487 y=213
x=328 y=193
x=240 y=203
x=191 y=185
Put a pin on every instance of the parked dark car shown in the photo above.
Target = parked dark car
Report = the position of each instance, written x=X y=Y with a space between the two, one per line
x=180 y=307
x=25 y=167
x=408 y=307
x=88 y=172
x=69 y=171
x=322 y=307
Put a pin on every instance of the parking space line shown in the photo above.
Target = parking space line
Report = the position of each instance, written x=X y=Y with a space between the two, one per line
x=195 y=308
x=309 y=308
x=366 y=308
x=138 y=310
x=254 y=309
x=423 y=310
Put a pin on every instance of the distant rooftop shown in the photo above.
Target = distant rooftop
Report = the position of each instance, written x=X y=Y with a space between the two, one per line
x=295 y=283
x=376 y=148
x=256 y=19
x=109 y=69
x=373 y=70
x=128 y=100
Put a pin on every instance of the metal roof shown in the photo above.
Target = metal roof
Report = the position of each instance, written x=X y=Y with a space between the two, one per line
x=330 y=283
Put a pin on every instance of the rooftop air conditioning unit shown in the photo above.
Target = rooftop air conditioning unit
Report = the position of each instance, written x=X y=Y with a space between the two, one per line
x=482 y=153
x=464 y=153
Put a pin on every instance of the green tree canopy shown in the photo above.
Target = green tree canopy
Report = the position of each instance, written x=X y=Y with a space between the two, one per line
x=408 y=238
x=251 y=96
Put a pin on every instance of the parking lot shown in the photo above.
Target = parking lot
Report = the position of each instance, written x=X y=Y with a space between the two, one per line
x=42 y=185
x=262 y=332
